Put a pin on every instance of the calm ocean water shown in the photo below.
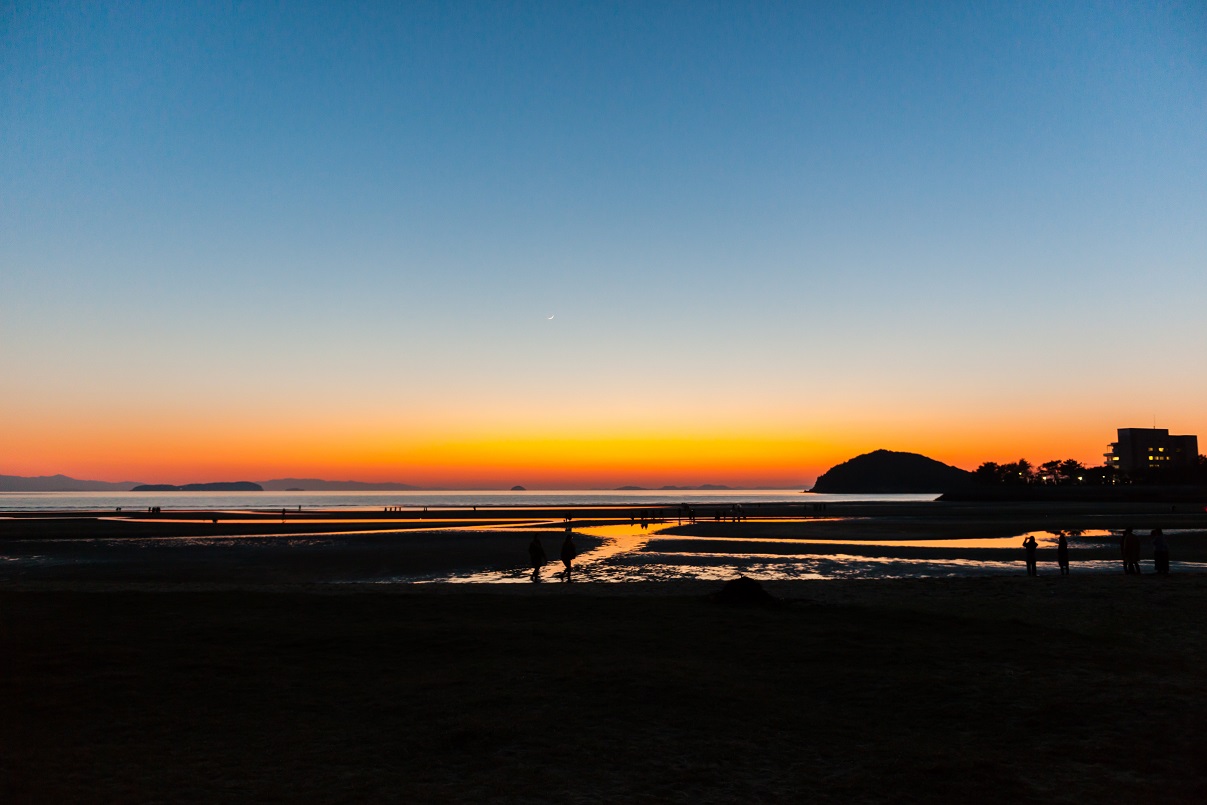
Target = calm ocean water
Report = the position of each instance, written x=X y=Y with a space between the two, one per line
x=76 y=501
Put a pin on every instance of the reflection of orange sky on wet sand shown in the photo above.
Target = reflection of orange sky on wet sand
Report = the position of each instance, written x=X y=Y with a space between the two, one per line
x=175 y=452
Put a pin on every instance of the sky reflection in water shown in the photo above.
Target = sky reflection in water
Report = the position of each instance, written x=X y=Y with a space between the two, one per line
x=626 y=556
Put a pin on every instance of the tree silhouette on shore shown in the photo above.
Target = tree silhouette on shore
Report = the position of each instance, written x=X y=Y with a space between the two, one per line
x=1070 y=472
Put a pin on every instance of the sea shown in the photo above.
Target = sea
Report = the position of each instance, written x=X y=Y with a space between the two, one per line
x=418 y=499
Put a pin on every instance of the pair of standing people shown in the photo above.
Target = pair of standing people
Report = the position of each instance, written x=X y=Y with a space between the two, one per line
x=1129 y=546
x=1062 y=554
x=536 y=554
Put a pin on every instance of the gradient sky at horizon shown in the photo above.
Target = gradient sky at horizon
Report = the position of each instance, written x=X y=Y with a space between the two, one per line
x=325 y=240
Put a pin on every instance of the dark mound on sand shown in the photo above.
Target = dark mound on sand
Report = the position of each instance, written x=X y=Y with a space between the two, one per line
x=889 y=471
x=744 y=592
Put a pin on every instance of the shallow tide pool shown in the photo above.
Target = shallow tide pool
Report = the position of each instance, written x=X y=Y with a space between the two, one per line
x=630 y=554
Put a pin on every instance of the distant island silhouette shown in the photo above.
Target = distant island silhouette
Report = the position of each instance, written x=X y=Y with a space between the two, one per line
x=217 y=486
x=889 y=471
x=700 y=488
x=518 y=488
x=320 y=485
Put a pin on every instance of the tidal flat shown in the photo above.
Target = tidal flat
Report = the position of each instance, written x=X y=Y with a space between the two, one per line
x=619 y=544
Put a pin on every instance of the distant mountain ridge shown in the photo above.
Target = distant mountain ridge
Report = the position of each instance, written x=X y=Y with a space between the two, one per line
x=64 y=483
x=61 y=483
x=889 y=471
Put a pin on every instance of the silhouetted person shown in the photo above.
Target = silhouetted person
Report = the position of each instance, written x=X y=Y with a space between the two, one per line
x=536 y=555
x=1062 y=554
x=568 y=554
x=1030 y=545
x=1160 y=552
x=1130 y=544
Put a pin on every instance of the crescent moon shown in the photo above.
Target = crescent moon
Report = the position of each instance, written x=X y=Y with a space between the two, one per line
x=550 y=318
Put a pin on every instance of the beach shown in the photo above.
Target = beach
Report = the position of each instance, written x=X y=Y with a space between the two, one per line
x=302 y=667
x=1004 y=690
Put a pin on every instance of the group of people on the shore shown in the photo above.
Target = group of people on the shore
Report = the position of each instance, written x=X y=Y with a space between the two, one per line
x=1129 y=548
x=735 y=514
x=536 y=555
x=646 y=519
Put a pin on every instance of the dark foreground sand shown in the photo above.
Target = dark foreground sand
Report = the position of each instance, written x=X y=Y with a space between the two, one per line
x=1081 y=689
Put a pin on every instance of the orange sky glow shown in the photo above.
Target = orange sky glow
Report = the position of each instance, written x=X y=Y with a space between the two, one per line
x=774 y=455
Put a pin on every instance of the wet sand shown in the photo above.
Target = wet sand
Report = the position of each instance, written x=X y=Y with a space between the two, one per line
x=1082 y=689
x=287 y=559
x=955 y=521
x=251 y=548
x=856 y=520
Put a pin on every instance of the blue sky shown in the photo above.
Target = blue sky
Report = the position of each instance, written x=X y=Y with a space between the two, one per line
x=932 y=204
